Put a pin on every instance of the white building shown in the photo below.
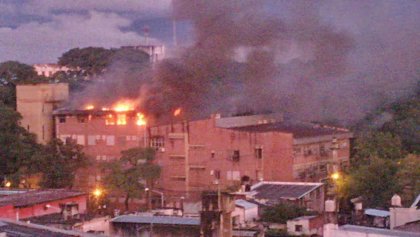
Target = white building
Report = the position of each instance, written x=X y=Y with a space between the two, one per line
x=48 y=70
x=305 y=225
x=245 y=213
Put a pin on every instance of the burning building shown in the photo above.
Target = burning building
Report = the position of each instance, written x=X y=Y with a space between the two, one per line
x=208 y=153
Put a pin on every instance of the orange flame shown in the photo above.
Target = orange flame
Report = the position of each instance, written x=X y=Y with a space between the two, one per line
x=177 y=112
x=89 y=107
x=124 y=105
x=141 y=120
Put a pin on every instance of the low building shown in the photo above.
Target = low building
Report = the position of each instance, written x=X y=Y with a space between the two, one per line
x=305 y=225
x=157 y=226
x=9 y=228
x=245 y=213
x=308 y=195
x=49 y=69
x=333 y=230
x=43 y=202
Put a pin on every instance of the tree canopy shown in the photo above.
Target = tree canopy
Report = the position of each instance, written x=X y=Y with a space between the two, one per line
x=282 y=212
x=132 y=173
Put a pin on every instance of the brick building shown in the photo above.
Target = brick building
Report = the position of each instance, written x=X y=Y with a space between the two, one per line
x=194 y=154
x=36 y=203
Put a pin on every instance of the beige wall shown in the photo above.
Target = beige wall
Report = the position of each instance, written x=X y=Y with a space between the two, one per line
x=36 y=103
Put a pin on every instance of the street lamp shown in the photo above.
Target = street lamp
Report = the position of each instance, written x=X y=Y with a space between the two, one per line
x=8 y=184
x=335 y=176
x=97 y=192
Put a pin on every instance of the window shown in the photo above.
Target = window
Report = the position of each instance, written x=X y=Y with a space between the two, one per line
x=80 y=140
x=157 y=142
x=233 y=175
x=216 y=174
x=110 y=140
x=121 y=119
x=62 y=119
x=235 y=155
x=81 y=119
x=258 y=153
x=109 y=120
x=121 y=140
x=298 y=228
x=213 y=154
x=91 y=140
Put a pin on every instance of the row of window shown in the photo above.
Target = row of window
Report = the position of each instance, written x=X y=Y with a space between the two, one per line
x=92 y=140
x=321 y=149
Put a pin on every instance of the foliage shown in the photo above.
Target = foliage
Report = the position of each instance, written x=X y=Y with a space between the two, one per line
x=11 y=74
x=408 y=177
x=282 y=212
x=90 y=60
x=58 y=162
x=17 y=146
x=376 y=182
x=377 y=144
x=130 y=174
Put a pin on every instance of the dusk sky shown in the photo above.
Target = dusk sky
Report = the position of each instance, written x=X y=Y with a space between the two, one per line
x=38 y=31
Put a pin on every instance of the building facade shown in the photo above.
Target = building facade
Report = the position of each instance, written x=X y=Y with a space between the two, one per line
x=212 y=153
x=36 y=103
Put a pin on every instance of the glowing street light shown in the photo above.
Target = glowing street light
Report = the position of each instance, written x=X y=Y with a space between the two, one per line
x=8 y=184
x=335 y=176
x=97 y=192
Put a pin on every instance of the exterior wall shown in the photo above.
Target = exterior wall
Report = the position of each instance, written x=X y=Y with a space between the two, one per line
x=195 y=153
x=314 y=159
x=36 y=103
x=400 y=216
x=101 y=142
x=40 y=209
x=310 y=226
x=155 y=230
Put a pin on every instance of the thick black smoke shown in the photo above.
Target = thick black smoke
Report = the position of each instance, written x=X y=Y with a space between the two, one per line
x=314 y=60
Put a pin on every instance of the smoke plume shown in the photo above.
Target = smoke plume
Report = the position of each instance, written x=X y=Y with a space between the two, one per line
x=313 y=60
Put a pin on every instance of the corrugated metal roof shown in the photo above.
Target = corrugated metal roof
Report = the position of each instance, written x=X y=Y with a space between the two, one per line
x=245 y=204
x=163 y=220
x=283 y=190
x=379 y=231
x=376 y=212
x=244 y=233
x=38 y=196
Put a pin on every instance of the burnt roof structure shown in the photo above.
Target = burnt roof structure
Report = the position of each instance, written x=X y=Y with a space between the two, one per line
x=38 y=196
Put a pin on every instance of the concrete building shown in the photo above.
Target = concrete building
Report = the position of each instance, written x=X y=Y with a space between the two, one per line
x=49 y=69
x=195 y=155
x=333 y=230
x=306 y=226
x=156 y=52
x=42 y=202
x=36 y=103
x=245 y=213
x=308 y=195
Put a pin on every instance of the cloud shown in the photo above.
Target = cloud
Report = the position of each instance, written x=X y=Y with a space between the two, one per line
x=36 y=42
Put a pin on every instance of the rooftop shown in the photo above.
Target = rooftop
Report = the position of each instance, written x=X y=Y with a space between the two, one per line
x=282 y=190
x=22 y=229
x=37 y=197
x=376 y=212
x=299 y=130
x=159 y=220
x=377 y=231
x=245 y=204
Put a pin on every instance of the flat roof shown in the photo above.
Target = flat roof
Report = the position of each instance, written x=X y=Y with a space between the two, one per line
x=376 y=212
x=162 y=220
x=245 y=204
x=282 y=190
x=379 y=231
x=37 y=197
x=298 y=129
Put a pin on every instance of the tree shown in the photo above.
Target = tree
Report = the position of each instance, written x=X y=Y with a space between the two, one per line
x=376 y=182
x=58 y=163
x=17 y=146
x=408 y=177
x=11 y=74
x=282 y=212
x=90 y=60
x=377 y=144
x=132 y=173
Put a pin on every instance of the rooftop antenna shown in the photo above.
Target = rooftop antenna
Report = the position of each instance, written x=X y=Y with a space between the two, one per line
x=146 y=31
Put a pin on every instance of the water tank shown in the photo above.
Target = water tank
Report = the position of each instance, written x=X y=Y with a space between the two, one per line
x=396 y=200
x=330 y=206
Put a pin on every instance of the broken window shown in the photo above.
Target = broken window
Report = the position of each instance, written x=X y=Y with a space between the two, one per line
x=157 y=142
